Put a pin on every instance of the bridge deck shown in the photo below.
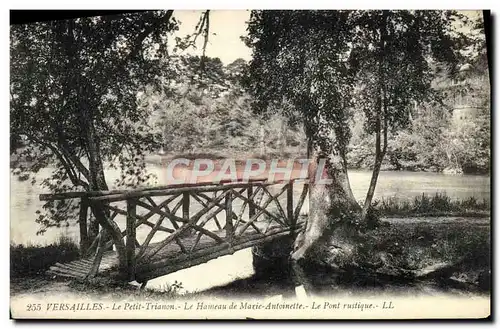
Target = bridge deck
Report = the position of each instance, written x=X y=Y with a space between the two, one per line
x=172 y=258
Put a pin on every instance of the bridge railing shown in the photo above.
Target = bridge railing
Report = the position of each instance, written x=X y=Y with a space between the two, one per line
x=186 y=220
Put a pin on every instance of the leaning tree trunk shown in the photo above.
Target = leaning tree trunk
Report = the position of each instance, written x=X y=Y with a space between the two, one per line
x=381 y=119
x=380 y=151
x=98 y=183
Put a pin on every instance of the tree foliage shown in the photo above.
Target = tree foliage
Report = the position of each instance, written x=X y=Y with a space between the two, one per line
x=74 y=87
x=301 y=58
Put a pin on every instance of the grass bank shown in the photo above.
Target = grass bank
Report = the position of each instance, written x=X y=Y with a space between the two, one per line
x=34 y=259
x=438 y=204
x=451 y=254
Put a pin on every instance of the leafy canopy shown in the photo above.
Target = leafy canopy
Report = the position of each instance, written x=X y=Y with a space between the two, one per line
x=325 y=63
x=59 y=69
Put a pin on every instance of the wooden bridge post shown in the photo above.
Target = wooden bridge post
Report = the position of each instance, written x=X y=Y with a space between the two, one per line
x=185 y=205
x=229 y=215
x=82 y=221
x=289 y=205
x=130 y=246
x=251 y=207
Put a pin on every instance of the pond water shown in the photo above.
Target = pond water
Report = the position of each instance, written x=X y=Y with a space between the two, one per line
x=24 y=203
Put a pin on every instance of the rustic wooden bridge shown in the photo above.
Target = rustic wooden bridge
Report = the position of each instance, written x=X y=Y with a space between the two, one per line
x=169 y=228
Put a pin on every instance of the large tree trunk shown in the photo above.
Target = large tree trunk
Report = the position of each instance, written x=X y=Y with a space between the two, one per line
x=329 y=203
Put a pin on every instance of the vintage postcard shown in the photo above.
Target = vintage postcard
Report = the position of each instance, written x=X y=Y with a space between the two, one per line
x=252 y=164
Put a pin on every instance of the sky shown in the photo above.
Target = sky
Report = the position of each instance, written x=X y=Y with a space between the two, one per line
x=228 y=26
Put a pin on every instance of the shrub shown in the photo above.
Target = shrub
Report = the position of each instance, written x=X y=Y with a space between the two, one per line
x=424 y=204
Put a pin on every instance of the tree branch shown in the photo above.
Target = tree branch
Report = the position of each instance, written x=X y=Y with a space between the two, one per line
x=198 y=29
x=63 y=144
x=137 y=45
x=206 y=31
x=69 y=170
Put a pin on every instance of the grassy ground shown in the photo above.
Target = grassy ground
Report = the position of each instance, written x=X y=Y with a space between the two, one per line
x=414 y=246
x=43 y=285
x=452 y=252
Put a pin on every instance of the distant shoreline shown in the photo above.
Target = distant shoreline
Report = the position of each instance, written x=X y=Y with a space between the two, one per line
x=157 y=159
x=240 y=157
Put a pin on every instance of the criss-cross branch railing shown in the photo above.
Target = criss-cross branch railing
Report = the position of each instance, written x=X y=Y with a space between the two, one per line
x=203 y=235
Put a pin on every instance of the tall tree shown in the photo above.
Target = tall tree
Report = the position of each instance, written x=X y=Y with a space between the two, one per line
x=74 y=99
x=301 y=58
x=394 y=53
x=326 y=62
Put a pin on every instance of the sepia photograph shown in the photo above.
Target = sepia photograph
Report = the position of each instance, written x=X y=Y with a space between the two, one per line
x=250 y=164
